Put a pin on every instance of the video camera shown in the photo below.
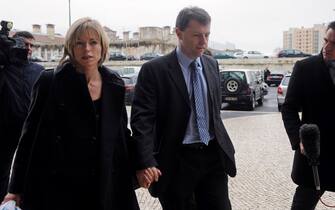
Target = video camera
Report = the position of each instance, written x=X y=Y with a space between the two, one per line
x=12 y=50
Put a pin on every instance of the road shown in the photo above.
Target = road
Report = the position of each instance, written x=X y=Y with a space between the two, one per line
x=269 y=106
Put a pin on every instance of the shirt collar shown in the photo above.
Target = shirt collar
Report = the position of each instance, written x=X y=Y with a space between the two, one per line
x=184 y=60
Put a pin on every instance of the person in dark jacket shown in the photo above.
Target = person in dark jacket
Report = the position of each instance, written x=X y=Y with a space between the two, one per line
x=183 y=151
x=73 y=152
x=311 y=90
x=16 y=83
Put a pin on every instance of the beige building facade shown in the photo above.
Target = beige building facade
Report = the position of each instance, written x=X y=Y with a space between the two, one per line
x=148 y=39
x=50 y=45
x=308 y=40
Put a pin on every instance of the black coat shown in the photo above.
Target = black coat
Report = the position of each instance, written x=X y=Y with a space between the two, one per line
x=63 y=161
x=311 y=91
x=161 y=111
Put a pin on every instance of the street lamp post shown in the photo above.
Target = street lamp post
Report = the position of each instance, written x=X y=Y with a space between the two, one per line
x=69 y=13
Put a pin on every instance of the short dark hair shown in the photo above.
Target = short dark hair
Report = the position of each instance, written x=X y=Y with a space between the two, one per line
x=24 y=34
x=331 y=25
x=192 y=13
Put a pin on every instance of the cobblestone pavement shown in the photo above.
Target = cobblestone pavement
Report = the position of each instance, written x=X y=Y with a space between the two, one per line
x=264 y=160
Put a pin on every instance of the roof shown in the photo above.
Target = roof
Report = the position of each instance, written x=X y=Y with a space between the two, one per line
x=45 y=39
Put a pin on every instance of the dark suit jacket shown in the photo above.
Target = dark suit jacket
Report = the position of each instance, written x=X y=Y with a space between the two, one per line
x=311 y=91
x=161 y=111
x=59 y=155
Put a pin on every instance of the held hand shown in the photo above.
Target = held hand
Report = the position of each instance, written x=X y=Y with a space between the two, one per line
x=143 y=180
x=154 y=173
x=146 y=176
x=302 y=149
x=15 y=197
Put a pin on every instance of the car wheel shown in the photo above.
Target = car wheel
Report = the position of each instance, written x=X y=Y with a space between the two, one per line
x=232 y=85
x=252 y=103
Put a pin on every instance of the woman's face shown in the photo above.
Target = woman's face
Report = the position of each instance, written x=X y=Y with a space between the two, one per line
x=87 y=50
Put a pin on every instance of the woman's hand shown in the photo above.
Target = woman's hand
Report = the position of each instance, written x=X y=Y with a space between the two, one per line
x=15 y=197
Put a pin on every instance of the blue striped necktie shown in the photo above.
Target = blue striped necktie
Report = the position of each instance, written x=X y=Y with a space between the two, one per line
x=199 y=103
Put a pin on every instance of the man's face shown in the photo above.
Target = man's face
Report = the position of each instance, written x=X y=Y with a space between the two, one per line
x=194 y=39
x=29 y=45
x=328 y=50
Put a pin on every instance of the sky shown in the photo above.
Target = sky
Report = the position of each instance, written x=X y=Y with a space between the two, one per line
x=249 y=24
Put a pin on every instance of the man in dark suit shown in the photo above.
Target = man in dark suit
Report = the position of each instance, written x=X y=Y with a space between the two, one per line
x=311 y=90
x=180 y=139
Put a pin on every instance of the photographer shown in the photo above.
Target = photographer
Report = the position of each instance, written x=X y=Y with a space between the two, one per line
x=17 y=76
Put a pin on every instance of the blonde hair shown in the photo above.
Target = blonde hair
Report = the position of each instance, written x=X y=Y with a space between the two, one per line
x=79 y=27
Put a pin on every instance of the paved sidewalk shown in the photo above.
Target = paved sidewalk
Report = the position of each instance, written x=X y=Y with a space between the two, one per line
x=264 y=160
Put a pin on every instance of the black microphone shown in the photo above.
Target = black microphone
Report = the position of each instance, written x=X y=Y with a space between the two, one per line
x=310 y=138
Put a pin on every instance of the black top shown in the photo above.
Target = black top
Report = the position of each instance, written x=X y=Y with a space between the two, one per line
x=97 y=108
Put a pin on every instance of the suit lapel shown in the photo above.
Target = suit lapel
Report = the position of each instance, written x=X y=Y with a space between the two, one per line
x=177 y=76
x=210 y=77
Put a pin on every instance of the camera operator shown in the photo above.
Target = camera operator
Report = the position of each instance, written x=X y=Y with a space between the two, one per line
x=17 y=78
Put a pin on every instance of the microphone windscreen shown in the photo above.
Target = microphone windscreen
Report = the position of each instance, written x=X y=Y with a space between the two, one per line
x=310 y=138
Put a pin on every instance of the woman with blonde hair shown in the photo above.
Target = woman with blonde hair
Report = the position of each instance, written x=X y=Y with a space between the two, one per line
x=74 y=148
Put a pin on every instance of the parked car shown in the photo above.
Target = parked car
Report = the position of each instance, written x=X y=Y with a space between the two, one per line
x=130 y=82
x=265 y=88
x=291 y=53
x=149 y=56
x=260 y=78
x=238 y=55
x=222 y=55
x=282 y=89
x=128 y=70
x=274 y=79
x=250 y=54
x=131 y=58
x=241 y=86
x=56 y=58
x=117 y=56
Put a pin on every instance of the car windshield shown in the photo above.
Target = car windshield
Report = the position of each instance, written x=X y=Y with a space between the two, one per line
x=234 y=74
x=286 y=80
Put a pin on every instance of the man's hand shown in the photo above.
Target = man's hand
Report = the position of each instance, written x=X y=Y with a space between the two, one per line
x=146 y=176
x=15 y=197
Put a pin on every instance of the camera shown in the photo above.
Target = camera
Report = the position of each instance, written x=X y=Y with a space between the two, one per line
x=12 y=50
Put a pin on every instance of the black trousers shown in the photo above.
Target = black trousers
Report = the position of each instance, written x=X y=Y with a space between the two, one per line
x=200 y=182
x=9 y=138
x=305 y=198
